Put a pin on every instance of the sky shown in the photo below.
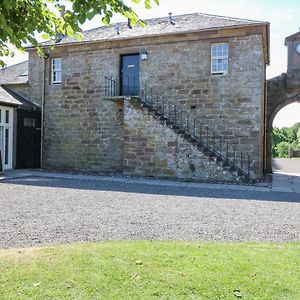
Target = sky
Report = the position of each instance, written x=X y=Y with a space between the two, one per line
x=282 y=15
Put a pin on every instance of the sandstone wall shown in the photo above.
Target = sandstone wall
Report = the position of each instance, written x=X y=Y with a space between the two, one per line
x=35 y=77
x=230 y=104
x=85 y=131
x=153 y=149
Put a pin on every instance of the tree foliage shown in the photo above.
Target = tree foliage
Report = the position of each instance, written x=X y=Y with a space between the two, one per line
x=285 y=139
x=21 y=20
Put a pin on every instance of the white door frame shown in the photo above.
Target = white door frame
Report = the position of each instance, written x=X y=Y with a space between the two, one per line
x=6 y=136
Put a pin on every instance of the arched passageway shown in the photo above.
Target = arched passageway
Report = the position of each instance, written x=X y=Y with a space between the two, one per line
x=278 y=104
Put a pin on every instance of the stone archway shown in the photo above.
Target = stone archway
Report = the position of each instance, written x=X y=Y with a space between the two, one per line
x=278 y=98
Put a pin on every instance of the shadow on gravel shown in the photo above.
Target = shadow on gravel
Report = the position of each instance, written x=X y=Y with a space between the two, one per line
x=142 y=188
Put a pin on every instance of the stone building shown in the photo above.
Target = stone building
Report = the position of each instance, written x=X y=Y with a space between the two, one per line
x=183 y=97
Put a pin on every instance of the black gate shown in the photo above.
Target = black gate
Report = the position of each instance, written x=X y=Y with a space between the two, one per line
x=130 y=75
x=28 y=138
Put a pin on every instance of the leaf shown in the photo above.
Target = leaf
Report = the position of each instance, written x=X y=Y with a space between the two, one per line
x=45 y=36
x=79 y=36
x=20 y=20
x=147 y=4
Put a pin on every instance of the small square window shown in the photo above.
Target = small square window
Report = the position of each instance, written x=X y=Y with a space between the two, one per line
x=219 y=58
x=56 y=70
x=29 y=122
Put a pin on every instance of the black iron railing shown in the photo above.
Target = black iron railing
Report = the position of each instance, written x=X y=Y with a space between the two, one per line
x=111 y=87
x=194 y=131
x=127 y=86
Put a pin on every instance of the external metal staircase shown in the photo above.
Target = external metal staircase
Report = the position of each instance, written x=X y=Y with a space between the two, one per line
x=216 y=147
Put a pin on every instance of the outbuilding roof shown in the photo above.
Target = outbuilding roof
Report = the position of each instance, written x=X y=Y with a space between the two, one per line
x=15 y=74
x=7 y=99
x=161 y=26
x=11 y=98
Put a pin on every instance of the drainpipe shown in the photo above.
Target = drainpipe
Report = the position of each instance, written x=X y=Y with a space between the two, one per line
x=42 y=107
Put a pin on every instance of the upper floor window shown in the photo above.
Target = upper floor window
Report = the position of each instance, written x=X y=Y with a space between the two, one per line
x=219 y=58
x=56 y=70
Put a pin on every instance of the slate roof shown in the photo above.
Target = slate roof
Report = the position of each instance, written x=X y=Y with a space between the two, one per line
x=162 y=26
x=11 y=98
x=7 y=99
x=15 y=74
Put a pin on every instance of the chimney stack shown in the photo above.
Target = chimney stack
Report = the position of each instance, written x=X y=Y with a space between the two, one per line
x=117 y=28
x=60 y=36
x=171 y=19
x=129 y=24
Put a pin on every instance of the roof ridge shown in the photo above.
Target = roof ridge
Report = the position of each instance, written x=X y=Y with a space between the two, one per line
x=22 y=62
x=174 y=16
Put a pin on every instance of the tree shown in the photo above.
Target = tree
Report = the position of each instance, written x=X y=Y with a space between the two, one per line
x=285 y=139
x=21 y=20
x=283 y=149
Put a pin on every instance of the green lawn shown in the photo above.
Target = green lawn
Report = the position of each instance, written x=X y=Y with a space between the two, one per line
x=152 y=270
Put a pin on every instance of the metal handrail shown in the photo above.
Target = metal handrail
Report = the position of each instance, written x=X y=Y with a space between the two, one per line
x=110 y=86
x=113 y=86
x=197 y=132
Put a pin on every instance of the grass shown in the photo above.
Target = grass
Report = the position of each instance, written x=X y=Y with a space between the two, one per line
x=152 y=270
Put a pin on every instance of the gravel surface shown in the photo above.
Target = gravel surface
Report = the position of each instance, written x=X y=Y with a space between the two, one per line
x=40 y=211
x=286 y=165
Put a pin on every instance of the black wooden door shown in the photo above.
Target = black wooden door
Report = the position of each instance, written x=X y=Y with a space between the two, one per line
x=130 y=75
x=28 y=138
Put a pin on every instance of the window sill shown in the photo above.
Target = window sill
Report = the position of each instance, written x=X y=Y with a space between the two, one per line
x=218 y=74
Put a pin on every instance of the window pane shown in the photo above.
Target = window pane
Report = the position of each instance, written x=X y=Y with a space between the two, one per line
x=29 y=122
x=6 y=146
x=6 y=116
x=214 y=50
x=58 y=75
x=56 y=70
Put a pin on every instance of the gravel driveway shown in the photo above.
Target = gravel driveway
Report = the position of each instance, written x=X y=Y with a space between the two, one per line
x=37 y=211
x=286 y=165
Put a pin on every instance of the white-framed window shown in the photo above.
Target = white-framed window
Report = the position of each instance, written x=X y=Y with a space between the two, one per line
x=219 y=58
x=56 y=70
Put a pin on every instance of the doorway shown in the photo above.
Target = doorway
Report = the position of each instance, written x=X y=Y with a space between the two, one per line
x=130 y=75
x=28 y=138
x=6 y=136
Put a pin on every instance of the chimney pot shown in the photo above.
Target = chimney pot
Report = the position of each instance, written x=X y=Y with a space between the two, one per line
x=129 y=24
x=171 y=19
